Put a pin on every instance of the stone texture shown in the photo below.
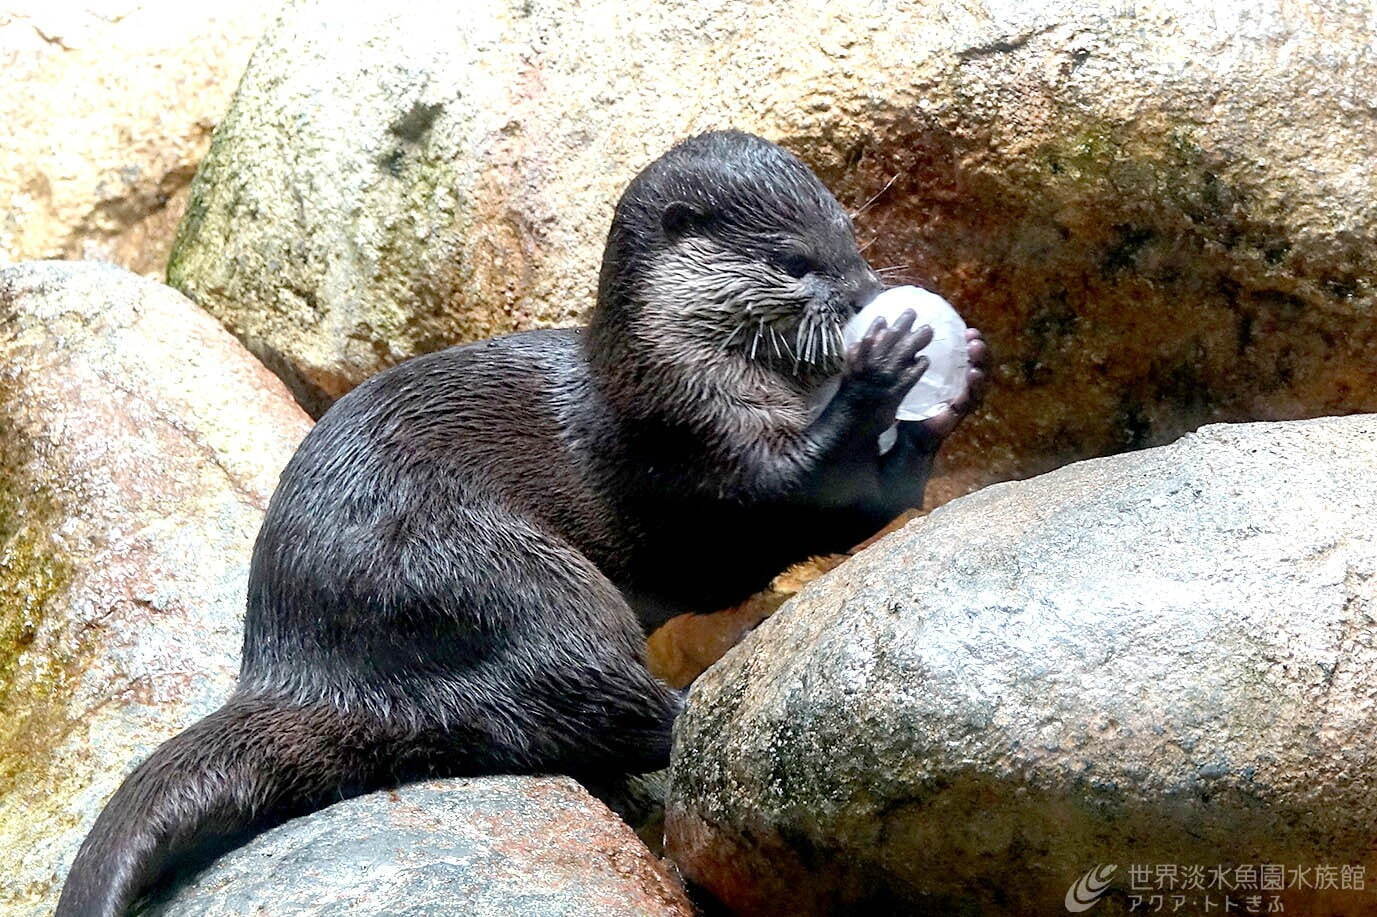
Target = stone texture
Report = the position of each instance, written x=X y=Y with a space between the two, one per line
x=139 y=444
x=108 y=107
x=1159 y=211
x=488 y=847
x=1166 y=657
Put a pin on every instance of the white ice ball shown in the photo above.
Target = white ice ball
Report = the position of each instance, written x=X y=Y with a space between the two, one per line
x=945 y=378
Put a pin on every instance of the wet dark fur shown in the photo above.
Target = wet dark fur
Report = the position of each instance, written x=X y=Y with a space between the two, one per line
x=456 y=569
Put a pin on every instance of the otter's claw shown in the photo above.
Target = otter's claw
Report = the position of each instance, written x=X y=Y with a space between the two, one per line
x=882 y=366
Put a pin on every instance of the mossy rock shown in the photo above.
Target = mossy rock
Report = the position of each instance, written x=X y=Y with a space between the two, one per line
x=139 y=444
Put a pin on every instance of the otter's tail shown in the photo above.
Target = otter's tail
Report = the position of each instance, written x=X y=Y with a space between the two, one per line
x=246 y=766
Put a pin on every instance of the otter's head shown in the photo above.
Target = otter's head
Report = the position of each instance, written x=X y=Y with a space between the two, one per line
x=728 y=249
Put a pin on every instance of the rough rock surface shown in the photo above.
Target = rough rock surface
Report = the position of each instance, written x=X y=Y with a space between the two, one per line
x=1157 y=210
x=139 y=444
x=1166 y=657
x=487 y=847
x=108 y=107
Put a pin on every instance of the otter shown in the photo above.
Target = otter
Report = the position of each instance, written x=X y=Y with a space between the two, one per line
x=457 y=570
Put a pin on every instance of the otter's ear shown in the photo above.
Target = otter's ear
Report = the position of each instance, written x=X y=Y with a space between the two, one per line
x=681 y=218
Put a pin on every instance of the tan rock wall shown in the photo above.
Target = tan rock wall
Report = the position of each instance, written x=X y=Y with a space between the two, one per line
x=108 y=107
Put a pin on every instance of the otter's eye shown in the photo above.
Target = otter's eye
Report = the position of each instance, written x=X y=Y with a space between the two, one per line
x=795 y=265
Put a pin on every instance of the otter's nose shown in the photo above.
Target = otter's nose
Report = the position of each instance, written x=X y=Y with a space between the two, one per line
x=863 y=290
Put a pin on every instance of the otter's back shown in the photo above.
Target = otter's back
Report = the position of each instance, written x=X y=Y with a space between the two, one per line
x=426 y=460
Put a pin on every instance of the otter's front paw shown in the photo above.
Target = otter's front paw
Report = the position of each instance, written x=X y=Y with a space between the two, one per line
x=882 y=366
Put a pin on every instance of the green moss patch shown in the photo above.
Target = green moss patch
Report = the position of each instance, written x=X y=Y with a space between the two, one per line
x=35 y=679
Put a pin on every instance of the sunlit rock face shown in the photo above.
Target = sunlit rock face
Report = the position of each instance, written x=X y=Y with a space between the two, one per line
x=1158 y=212
x=108 y=107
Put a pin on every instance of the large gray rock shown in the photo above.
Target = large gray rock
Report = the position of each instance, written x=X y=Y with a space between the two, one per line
x=1167 y=657
x=1158 y=210
x=139 y=444
x=487 y=847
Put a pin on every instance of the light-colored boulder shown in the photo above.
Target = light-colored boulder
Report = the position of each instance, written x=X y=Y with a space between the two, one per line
x=1161 y=658
x=1159 y=211
x=139 y=444
x=108 y=107
x=485 y=847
